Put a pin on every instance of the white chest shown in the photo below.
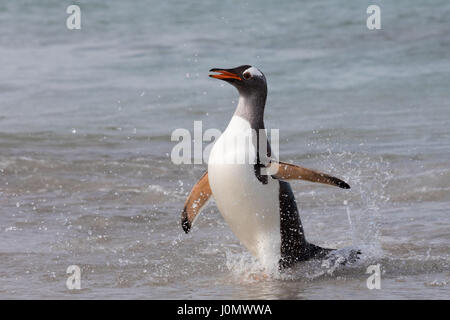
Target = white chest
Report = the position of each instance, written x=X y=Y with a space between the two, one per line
x=250 y=207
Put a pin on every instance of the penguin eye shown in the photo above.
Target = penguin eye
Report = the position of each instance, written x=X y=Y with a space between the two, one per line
x=247 y=75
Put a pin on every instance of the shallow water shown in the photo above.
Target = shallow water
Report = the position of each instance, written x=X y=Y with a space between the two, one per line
x=85 y=124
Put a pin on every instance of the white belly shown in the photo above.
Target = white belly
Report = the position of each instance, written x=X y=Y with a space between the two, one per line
x=249 y=207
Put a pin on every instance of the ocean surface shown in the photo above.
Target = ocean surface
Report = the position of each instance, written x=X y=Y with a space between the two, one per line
x=86 y=118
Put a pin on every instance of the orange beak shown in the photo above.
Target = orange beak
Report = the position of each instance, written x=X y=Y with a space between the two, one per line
x=224 y=74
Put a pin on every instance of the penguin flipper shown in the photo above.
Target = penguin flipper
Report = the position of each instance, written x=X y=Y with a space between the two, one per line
x=287 y=171
x=199 y=196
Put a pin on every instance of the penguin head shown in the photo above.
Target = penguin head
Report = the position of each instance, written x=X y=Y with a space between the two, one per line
x=247 y=79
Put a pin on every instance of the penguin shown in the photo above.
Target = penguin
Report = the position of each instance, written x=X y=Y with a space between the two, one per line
x=250 y=186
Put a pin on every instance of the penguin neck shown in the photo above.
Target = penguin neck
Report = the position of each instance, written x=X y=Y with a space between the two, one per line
x=251 y=108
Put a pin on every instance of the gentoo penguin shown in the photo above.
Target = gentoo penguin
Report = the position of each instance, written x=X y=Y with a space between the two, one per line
x=249 y=186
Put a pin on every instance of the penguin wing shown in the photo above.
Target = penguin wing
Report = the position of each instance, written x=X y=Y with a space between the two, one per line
x=287 y=171
x=195 y=202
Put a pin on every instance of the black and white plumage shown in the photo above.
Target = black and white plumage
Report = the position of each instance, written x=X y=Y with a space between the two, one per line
x=260 y=208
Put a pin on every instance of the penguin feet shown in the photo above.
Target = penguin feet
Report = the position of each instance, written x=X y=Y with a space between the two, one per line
x=326 y=255
x=260 y=277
